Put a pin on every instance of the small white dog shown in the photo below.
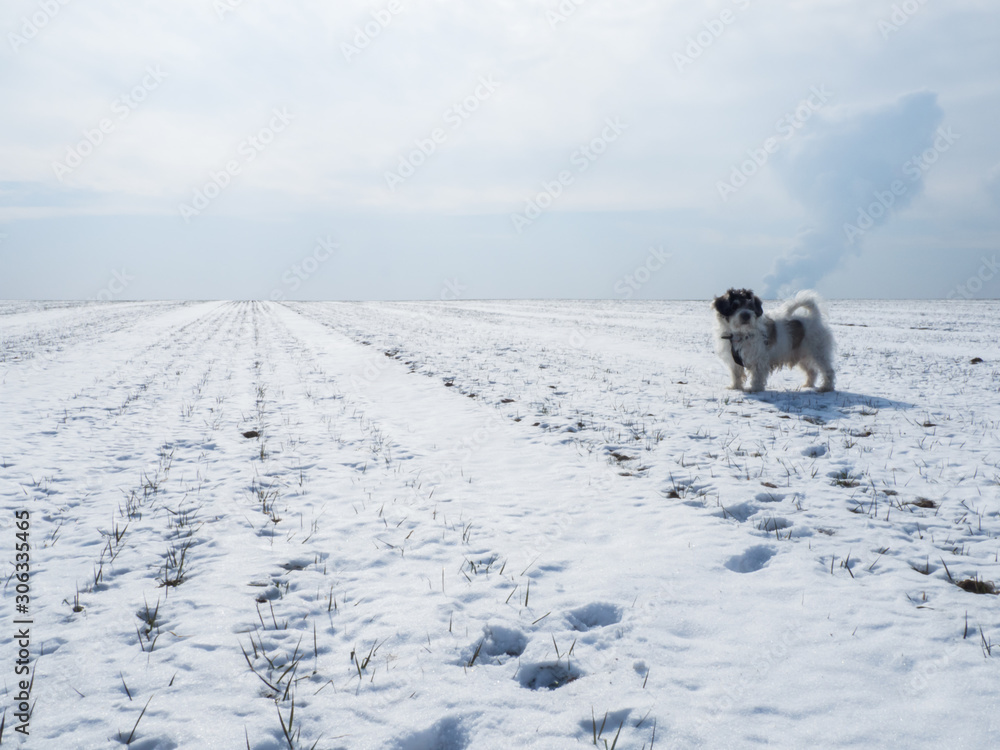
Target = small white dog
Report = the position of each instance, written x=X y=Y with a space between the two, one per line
x=795 y=334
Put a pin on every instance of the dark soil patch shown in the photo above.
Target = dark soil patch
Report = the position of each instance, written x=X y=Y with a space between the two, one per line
x=975 y=586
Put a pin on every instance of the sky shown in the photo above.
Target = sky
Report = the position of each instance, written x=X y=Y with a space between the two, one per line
x=437 y=149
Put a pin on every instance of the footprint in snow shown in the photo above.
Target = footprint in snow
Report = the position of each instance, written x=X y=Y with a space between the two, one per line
x=769 y=497
x=599 y=725
x=549 y=675
x=497 y=643
x=447 y=734
x=741 y=511
x=770 y=524
x=752 y=560
x=596 y=615
x=51 y=645
x=297 y=564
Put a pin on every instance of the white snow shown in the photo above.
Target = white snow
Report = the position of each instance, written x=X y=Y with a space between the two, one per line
x=498 y=524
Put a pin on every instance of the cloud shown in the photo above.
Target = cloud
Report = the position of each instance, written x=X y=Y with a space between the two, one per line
x=852 y=173
x=224 y=72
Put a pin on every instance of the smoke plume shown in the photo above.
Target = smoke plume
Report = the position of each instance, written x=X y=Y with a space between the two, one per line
x=852 y=174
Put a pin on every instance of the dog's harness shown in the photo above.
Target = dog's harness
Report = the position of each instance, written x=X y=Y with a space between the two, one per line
x=732 y=348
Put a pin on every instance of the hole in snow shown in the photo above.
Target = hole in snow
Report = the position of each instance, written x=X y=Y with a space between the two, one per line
x=750 y=561
x=447 y=734
x=769 y=497
x=548 y=675
x=497 y=642
x=597 y=615
x=773 y=523
x=741 y=511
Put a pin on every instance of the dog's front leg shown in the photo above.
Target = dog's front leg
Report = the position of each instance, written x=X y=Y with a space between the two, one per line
x=758 y=379
x=739 y=374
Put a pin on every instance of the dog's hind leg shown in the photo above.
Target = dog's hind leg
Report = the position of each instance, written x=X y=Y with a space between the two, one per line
x=826 y=370
x=828 y=381
x=811 y=374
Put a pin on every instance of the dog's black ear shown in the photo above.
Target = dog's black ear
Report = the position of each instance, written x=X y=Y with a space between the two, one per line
x=757 y=306
x=723 y=305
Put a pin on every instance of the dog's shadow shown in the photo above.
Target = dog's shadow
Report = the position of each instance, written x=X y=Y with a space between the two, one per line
x=827 y=406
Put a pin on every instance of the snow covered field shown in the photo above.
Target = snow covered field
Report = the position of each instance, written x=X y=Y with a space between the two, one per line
x=426 y=526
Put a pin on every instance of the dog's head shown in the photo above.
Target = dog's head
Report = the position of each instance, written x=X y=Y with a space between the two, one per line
x=739 y=307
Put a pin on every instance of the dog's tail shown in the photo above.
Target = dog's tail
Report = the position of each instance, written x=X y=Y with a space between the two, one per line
x=807 y=300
